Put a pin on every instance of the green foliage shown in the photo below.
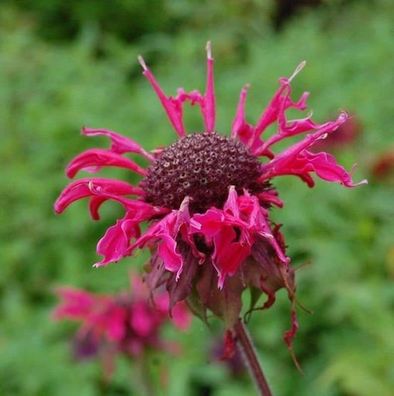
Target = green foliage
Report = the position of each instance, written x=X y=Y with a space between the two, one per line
x=63 y=20
x=47 y=92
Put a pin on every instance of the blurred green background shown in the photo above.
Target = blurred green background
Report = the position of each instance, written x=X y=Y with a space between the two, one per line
x=65 y=64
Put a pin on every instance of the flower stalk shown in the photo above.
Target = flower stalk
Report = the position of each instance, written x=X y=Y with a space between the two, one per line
x=245 y=344
x=141 y=378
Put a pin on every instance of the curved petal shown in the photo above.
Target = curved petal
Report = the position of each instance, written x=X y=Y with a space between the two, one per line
x=285 y=158
x=251 y=135
x=93 y=159
x=181 y=316
x=173 y=106
x=244 y=131
x=280 y=103
x=142 y=320
x=270 y=197
x=233 y=231
x=115 y=243
x=288 y=129
x=75 y=303
x=119 y=144
x=326 y=167
x=113 y=322
x=141 y=207
x=165 y=230
x=297 y=160
x=81 y=188
x=208 y=106
x=228 y=254
x=173 y=110
x=94 y=206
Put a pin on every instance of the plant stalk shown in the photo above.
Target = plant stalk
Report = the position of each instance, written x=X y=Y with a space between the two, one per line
x=246 y=346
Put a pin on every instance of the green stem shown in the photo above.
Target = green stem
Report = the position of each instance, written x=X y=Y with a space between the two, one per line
x=246 y=346
x=142 y=381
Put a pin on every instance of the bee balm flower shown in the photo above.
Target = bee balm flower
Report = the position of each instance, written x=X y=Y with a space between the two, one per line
x=124 y=323
x=207 y=197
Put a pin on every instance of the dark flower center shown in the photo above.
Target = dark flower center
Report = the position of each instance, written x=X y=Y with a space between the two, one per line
x=201 y=166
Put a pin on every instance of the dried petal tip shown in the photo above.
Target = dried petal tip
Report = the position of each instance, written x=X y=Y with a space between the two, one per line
x=297 y=70
x=142 y=62
x=343 y=116
x=209 y=50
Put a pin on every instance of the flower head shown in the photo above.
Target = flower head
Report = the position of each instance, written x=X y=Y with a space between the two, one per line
x=125 y=323
x=207 y=197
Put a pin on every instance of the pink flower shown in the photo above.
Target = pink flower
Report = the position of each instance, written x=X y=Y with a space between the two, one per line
x=206 y=198
x=127 y=323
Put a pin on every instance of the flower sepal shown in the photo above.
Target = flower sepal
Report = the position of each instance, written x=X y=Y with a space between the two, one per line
x=225 y=303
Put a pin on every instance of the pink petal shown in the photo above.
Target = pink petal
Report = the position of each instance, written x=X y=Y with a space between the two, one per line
x=208 y=106
x=266 y=232
x=218 y=228
x=270 y=197
x=285 y=158
x=167 y=251
x=80 y=189
x=208 y=223
x=119 y=143
x=174 y=112
x=93 y=159
x=115 y=243
x=161 y=302
x=251 y=135
x=142 y=209
x=94 y=206
x=174 y=105
x=258 y=223
x=242 y=130
x=184 y=227
x=243 y=213
x=231 y=204
x=143 y=320
x=326 y=167
x=271 y=112
x=276 y=112
x=228 y=254
x=76 y=304
x=181 y=316
x=288 y=129
x=297 y=160
x=165 y=231
x=113 y=322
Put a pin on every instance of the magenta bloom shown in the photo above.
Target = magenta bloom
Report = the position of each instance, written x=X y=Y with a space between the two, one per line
x=207 y=197
x=125 y=323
